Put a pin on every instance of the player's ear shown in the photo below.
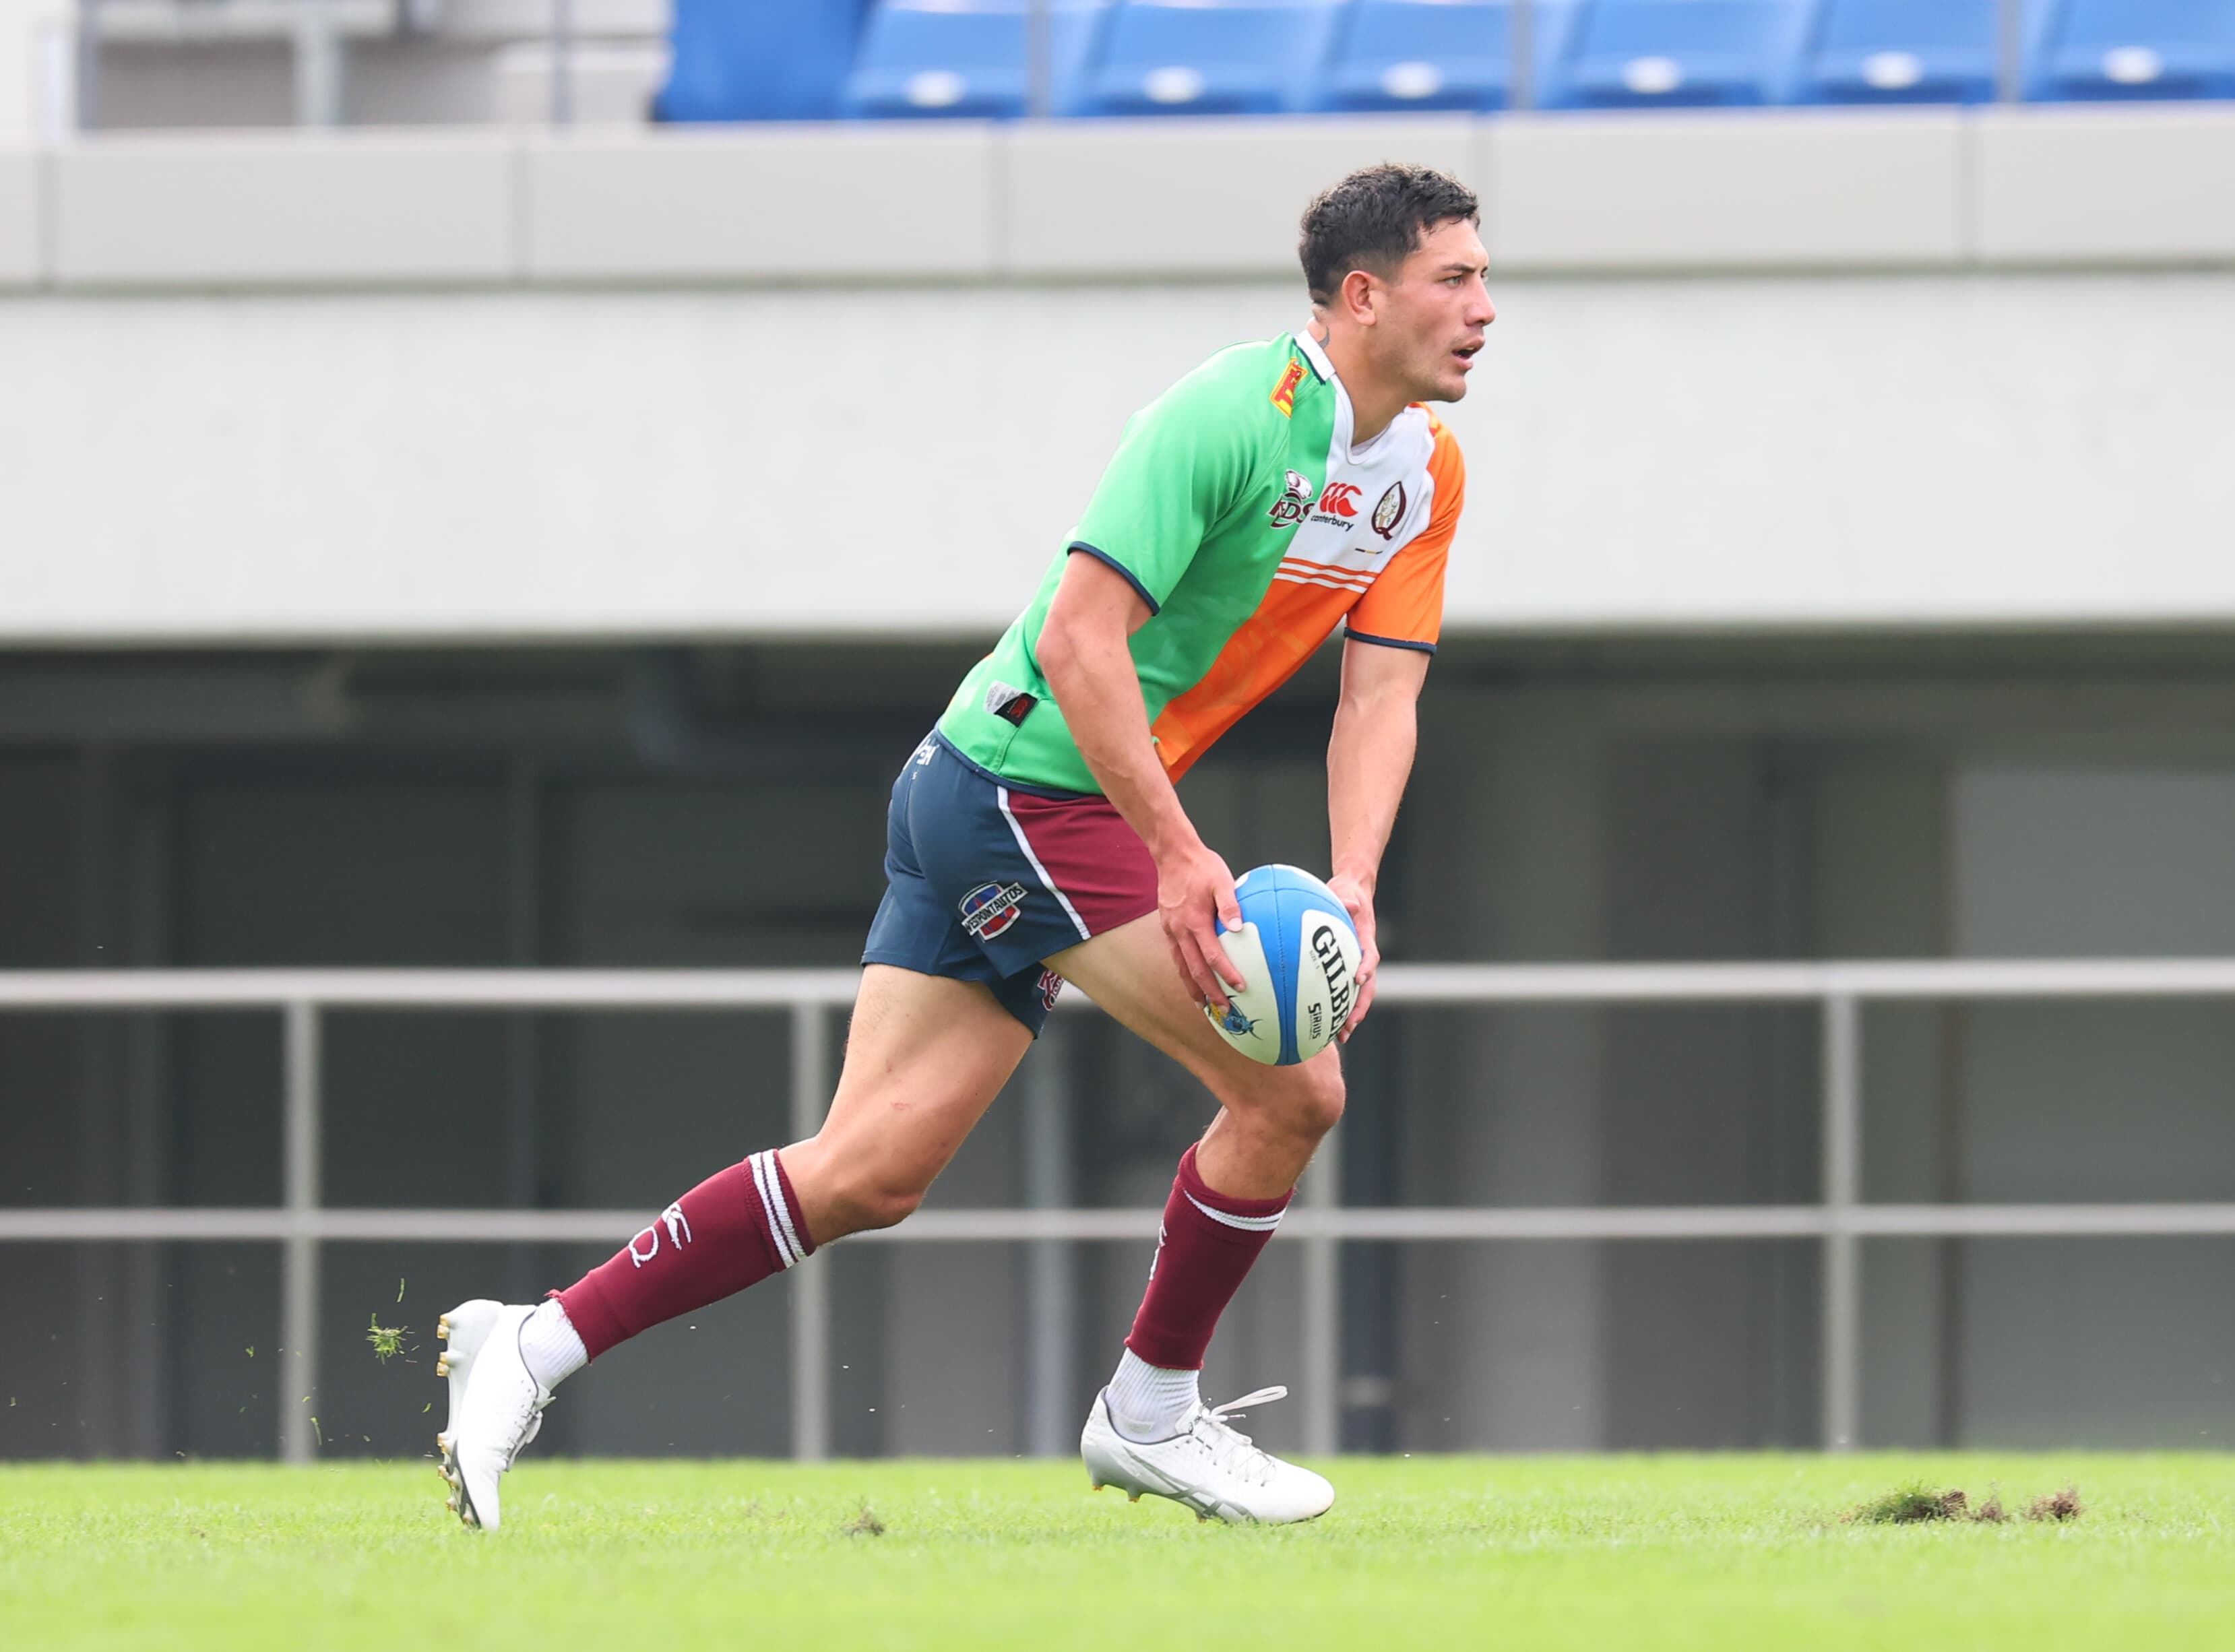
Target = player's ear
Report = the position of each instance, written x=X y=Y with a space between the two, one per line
x=1356 y=298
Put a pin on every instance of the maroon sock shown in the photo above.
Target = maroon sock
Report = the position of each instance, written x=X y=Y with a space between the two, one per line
x=1204 y=1252
x=732 y=1230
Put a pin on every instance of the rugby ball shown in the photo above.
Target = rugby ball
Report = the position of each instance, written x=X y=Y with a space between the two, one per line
x=1298 y=954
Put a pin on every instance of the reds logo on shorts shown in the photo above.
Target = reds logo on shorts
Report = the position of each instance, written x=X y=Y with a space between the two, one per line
x=1050 y=989
x=989 y=909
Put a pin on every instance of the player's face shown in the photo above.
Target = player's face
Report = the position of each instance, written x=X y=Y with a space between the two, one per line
x=1438 y=309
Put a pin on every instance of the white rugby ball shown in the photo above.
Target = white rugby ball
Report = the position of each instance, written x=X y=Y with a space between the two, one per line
x=1298 y=954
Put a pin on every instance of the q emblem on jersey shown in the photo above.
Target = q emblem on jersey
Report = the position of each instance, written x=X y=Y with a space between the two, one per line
x=1284 y=393
x=1390 y=511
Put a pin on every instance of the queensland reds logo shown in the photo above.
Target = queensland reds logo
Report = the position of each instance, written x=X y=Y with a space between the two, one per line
x=1340 y=499
x=1390 y=511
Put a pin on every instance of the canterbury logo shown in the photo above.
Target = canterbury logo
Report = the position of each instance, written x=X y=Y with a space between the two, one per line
x=1340 y=499
x=678 y=1234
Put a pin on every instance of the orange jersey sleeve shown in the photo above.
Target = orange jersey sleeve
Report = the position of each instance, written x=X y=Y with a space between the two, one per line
x=1404 y=607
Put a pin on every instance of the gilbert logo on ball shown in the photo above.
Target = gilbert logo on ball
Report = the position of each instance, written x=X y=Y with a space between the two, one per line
x=1298 y=954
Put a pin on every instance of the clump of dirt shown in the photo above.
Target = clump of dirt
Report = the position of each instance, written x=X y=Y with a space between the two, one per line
x=1911 y=1505
x=865 y=1525
x=2058 y=1505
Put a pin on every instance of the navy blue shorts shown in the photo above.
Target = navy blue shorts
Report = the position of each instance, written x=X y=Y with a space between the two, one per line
x=985 y=879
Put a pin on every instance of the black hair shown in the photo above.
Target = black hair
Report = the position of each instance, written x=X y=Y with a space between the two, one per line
x=1374 y=219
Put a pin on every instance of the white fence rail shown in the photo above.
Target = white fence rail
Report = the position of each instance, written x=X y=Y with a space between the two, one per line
x=302 y=1224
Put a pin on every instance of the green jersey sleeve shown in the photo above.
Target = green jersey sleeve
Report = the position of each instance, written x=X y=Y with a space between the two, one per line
x=1186 y=459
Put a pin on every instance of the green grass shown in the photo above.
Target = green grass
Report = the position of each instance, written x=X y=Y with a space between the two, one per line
x=1618 y=1553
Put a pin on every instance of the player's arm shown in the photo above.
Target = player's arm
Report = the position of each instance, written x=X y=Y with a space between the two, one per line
x=1391 y=636
x=1369 y=759
x=1082 y=651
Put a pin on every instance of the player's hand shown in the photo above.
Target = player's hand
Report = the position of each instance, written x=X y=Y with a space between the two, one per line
x=1358 y=899
x=1195 y=892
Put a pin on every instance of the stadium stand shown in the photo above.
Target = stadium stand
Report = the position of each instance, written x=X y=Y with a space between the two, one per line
x=1222 y=57
x=907 y=59
x=1902 y=51
x=1632 y=54
x=966 y=57
x=2106 y=50
x=1394 y=54
x=751 y=60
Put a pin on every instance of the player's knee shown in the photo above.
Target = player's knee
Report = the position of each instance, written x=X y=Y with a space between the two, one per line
x=1319 y=1108
x=1310 y=1105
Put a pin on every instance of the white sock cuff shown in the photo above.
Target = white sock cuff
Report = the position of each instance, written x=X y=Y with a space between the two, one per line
x=1147 y=1401
x=550 y=1344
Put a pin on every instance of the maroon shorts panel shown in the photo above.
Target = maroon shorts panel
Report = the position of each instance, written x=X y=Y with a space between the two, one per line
x=1088 y=855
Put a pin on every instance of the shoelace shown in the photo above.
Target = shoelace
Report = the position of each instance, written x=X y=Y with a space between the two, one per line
x=526 y=1426
x=526 y=1418
x=1229 y=1446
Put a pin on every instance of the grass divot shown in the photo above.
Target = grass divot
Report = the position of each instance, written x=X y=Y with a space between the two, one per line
x=1908 y=1505
x=387 y=1339
x=2058 y=1505
x=865 y=1525
x=1919 y=1501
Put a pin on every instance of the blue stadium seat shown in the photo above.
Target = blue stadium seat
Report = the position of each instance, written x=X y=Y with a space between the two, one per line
x=1436 y=53
x=2139 y=49
x=966 y=57
x=1211 y=56
x=758 y=60
x=1655 y=54
x=1902 y=51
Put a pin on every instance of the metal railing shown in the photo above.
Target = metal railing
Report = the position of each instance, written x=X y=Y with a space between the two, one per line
x=1840 y=1219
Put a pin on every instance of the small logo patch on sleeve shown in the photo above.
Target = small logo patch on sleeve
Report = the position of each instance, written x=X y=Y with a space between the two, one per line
x=1284 y=393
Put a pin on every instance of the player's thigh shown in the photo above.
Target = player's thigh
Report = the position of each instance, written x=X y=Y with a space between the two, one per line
x=924 y=1057
x=1130 y=973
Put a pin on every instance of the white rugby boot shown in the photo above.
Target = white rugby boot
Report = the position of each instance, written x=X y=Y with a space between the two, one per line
x=1209 y=1465
x=463 y=1329
x=495 y=1412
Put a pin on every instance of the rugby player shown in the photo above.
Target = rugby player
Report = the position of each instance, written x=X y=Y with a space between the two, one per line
x=1281 y=489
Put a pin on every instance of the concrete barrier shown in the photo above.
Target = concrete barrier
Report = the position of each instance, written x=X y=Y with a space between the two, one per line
x=2115 y=185
x=1776 y=190
x=244 y=210
x=1813 y=188
x=1194 y=197
x=846 y=202
x=23 y=254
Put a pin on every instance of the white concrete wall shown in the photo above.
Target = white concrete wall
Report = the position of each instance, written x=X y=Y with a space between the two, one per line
x=1840 y=450
x=142 y=212
x=700 y=207
x=1784 y=190
x=21 y=231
